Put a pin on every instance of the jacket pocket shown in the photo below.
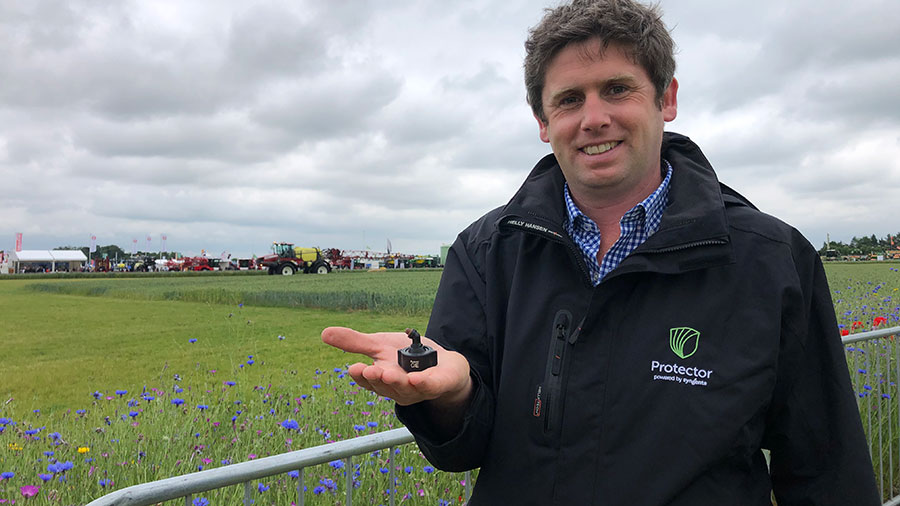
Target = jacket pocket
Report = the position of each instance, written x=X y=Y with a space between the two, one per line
x=548 y=403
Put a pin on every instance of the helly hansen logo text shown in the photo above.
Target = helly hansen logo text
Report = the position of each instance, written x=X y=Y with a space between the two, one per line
x=680 y=373
x=532 y=226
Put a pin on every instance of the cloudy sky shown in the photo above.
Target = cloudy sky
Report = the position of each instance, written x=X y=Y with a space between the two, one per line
x=227 y=125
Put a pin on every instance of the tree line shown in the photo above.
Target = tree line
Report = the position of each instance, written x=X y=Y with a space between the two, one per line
x=865 y=245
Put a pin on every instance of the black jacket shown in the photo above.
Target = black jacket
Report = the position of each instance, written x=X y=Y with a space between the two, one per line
x=713 y=339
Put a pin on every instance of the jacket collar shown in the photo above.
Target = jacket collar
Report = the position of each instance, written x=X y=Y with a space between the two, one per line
x=694 y=219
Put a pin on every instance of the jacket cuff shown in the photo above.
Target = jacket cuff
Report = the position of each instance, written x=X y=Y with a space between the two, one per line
x=461 y=451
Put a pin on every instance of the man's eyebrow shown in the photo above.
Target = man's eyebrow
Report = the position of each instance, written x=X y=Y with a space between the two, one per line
x=624 y=78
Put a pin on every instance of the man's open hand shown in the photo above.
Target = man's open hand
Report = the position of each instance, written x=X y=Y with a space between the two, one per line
x=447 y=383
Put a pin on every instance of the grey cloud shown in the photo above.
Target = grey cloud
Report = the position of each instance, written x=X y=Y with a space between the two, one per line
x=270 y=40
x=338 y=104
x=226 y=138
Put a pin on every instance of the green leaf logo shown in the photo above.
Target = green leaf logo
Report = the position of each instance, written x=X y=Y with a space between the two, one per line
x=680 y=341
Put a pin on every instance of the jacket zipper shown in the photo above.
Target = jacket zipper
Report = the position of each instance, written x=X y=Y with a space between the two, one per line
x=708 y=242
x=548 y=401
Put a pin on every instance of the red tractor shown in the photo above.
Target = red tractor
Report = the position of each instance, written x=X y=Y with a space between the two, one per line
x=287 y=260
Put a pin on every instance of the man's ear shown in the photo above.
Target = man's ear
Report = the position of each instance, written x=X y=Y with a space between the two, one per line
x=542 y=125
x=670 y=101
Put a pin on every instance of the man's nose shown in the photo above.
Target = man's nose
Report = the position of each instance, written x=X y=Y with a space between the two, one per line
x=595 y=113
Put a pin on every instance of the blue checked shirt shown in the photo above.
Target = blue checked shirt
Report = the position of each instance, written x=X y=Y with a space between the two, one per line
x=635 y=227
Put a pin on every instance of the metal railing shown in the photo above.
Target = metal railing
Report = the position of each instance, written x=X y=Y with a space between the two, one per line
x=241 y=474
x=874 y=361
x=873 y=357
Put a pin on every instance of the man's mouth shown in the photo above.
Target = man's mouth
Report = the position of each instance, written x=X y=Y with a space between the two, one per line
x=600 y=148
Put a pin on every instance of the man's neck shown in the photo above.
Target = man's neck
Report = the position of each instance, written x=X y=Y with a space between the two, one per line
x=607 y=210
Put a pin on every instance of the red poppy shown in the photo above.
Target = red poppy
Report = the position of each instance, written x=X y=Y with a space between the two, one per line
x=845 y=332
x=857 y=325
x=881 y=320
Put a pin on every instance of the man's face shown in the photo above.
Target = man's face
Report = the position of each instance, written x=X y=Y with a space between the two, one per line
x=604 y=123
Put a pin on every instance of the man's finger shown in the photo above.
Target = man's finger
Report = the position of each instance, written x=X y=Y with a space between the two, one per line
x=351 y=341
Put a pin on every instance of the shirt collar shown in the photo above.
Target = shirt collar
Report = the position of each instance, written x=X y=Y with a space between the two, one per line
x=651 y=208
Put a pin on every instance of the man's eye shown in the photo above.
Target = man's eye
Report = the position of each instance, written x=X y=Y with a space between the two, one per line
x=618 y=89
x=569 y=101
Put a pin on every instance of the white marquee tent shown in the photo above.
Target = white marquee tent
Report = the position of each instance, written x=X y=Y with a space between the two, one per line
x=67 y=260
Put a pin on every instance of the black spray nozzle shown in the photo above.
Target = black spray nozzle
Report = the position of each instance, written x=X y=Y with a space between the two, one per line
x=416 y=357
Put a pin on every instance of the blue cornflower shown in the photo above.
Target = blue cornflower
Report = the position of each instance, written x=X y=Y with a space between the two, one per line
x=251 y=362
x=177 y=402
x=104 y=483
x=358 y=427
x=132 y=403
x=53 y=469
x=337 y=369
x=81 y=412
x=120 y=393
x=54 y=436
x=261 y=488
x=428 y=469
x=5 y=421
x=45 y=477
x=318 y=490
x=192 y=340
x=48 y=453
x=178 y=389
x=372 y=424
x=133 y=414
x=349 y=403
x=408 y=469
x=65 y=466
x=384 y=470
x=31 y=432
x=337 y=464
x=230 y=383
x=316 y=387
x=294 y=474
x=7 y=475
x=201 y=501
x=290 y=425
x=202 y=407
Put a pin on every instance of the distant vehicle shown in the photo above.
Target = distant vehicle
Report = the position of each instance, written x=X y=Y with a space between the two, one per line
x=196 y=264
x=288 y=260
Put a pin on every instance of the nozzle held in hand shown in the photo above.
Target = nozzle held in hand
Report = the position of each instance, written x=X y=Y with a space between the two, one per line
x=416 y=357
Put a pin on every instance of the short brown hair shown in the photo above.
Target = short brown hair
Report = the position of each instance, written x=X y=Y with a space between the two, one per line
x=637 y=27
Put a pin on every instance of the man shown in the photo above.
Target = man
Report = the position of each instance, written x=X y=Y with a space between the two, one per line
x=626 y=330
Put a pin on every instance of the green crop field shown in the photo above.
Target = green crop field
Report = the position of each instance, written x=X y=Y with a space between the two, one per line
x=108 y=382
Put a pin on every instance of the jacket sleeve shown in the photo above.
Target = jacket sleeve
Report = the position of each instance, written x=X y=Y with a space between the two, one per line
x=458 y=323
x=819 y=454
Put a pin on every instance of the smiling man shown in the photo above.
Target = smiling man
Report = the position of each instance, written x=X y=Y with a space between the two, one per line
x=627 y=330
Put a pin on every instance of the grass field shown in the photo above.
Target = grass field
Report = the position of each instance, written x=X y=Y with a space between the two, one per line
x=135 y=379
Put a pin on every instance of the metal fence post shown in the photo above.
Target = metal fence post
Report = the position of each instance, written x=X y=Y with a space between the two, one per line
x=301 y=488
x=391 y=477
x=248 y=500
x=348 y=471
